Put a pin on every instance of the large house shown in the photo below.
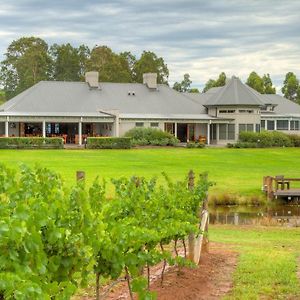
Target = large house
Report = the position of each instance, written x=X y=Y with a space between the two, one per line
x=75 y=110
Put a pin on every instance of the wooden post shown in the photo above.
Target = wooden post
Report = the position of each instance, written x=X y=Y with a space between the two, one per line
x=191 y=239
x=269 y=187
x=80 y=175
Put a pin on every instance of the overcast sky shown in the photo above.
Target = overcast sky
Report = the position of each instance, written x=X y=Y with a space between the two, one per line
x=202 y=38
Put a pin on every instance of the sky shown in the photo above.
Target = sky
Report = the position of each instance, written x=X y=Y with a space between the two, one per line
x=202 y=38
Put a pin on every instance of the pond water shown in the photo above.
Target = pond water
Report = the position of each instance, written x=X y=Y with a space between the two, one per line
x=275 y=215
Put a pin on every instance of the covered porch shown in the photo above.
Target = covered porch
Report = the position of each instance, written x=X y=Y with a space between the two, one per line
x=71 y=130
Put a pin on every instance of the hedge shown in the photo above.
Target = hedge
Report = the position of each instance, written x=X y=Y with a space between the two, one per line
x=151 y=136
x=31 y=143
x=108 y=143
x=266 y=139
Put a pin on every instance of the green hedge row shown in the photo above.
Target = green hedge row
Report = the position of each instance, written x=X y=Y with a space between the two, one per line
x=108 y=143
x=266 y=139
x=31 y=143
x=151 y=136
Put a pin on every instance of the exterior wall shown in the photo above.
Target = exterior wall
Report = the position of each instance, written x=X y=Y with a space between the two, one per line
x=240 y=117
x=127 y=125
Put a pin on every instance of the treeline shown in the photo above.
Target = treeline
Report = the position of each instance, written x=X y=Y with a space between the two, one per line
x=262 y=84
x=29 y=60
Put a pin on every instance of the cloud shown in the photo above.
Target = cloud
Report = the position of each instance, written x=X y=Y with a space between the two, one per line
x=202 y=38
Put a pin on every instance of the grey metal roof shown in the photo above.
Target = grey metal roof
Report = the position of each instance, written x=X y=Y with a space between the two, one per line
x=170 y=116
x=234 y=93
x=283 y=105
x=69 y=98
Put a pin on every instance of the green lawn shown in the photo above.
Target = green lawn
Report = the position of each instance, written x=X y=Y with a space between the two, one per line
x=267 y=266
x=238 y=171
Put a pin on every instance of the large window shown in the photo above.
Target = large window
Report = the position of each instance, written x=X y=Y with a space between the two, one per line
x=263 y=124
x=257 y=127
x=294 y=125
x=226 y=131
x=154 y=124
x=282 y=125
x=270 y=125
x=246 y=127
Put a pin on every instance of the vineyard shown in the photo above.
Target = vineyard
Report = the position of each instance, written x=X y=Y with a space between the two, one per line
x=52 y=237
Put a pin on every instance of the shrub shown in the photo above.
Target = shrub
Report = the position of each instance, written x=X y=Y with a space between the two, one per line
x=195 y=145
x=30 y=143
x=108 y=143
x=151 y=136
x=263 y=139
x=295 y=139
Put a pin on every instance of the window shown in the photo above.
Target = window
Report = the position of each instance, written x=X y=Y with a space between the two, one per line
x=231 y=131
x=139 y=124
x=170 y=127
x=222 y=131
x=246 y=111
x=250 y=127
x=263 y=124
x=154 y=124
x=242 y=127
x=294 y=125
x=226 y=111
x=282 y=125
x=270 y=125
x=257 y=127
x=226 y=131
x=246 y=127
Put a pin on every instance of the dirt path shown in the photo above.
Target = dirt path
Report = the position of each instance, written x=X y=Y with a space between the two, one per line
x=212 y=280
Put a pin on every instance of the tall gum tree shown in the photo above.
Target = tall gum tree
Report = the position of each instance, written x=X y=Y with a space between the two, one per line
x=26 y=62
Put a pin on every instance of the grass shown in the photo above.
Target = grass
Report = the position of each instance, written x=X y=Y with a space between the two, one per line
x=267 y=264
x=235 y=171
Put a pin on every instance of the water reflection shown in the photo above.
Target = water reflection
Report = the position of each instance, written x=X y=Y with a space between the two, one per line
x=276 y=215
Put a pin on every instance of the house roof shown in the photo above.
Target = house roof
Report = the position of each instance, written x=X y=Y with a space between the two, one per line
x=73 y=98
x=234 y=93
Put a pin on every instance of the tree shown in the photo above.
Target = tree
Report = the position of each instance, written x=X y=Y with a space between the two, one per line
x=268 y=85
x=185 y=85
x=27 y=62
x=256 y=82
x=111 y=66
x=2 y=97
x=291 y=87
x=150 y=63
x=66 y=62
x=221 y=81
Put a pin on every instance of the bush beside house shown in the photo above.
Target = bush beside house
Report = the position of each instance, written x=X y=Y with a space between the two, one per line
x=266 y=139
x=151 y=136
x=108 y=143
x=30 y=143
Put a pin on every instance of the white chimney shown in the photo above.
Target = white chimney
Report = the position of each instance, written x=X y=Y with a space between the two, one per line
x=150 y=79
x=92 y=79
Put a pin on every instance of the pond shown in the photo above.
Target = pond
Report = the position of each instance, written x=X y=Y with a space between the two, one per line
x=275 y=215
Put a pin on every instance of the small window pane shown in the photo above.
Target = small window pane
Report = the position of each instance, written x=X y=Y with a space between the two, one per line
x=270 y=125
x=263 y=124
x=154 y=124
x=139 y=124
x=257 y=127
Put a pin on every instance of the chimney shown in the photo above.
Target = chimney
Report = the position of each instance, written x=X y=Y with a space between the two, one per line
x=150 y=79
x=92 y=79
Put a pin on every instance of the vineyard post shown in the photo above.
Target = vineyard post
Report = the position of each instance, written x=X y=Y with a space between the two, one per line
x=191 y=240
x=80 y=175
